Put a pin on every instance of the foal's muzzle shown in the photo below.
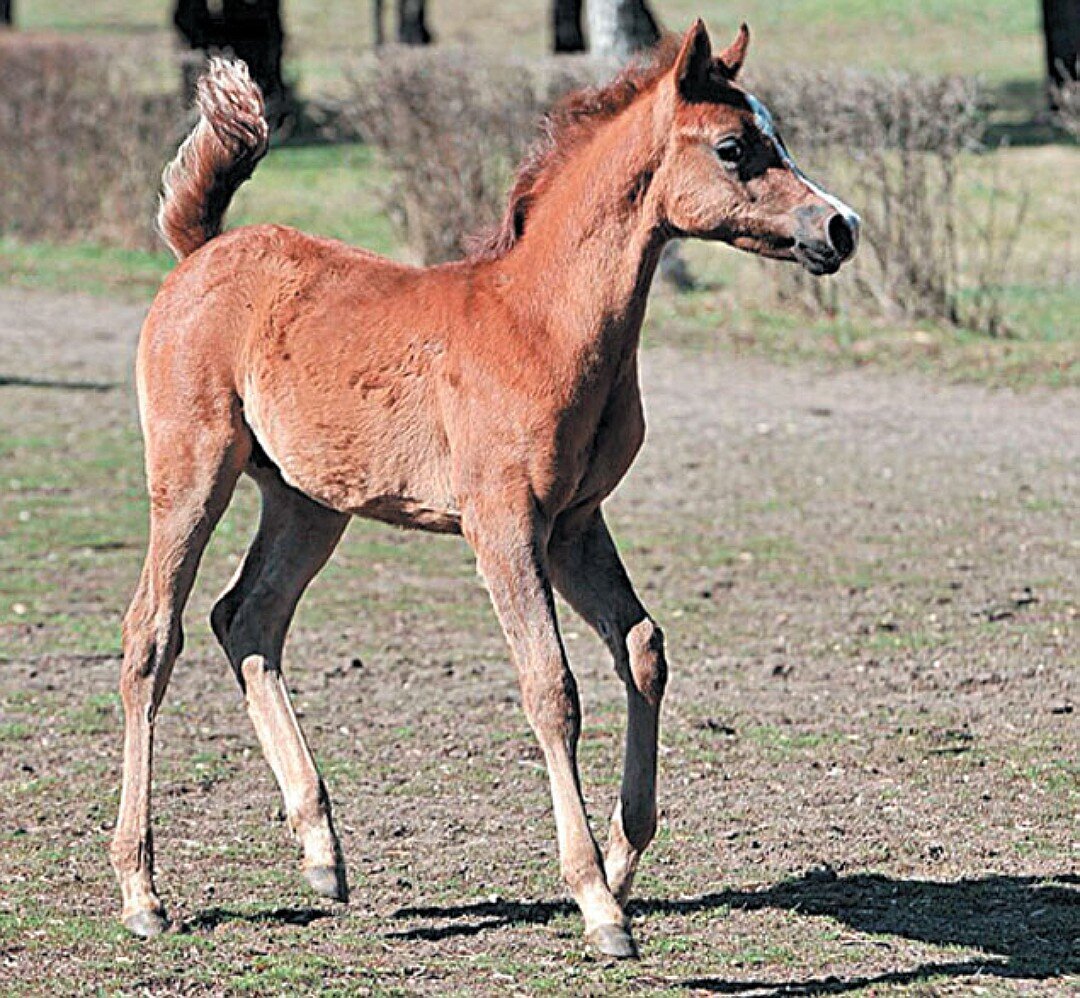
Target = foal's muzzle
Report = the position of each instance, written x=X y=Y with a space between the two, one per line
x=824 y=239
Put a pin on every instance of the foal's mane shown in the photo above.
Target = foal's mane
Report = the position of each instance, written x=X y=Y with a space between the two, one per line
x=571 y=122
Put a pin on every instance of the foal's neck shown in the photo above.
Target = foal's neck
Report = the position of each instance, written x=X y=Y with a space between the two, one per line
x=593 y=240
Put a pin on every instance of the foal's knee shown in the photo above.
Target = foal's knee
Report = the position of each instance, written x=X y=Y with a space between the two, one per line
x=648 y=664
x=149 y=648
x=246 y=627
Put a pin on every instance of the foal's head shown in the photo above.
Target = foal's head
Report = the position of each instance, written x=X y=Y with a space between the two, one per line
x=726 y=174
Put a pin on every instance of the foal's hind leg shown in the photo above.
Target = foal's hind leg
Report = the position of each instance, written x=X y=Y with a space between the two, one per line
x=191 y=474
x=295 y=538
x=587 y=570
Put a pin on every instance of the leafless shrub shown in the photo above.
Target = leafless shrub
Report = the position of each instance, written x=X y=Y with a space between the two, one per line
x=893 y=145
x=82 y=146
x=451 y=131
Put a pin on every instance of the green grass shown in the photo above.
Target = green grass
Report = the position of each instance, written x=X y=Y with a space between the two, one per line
x=100 y=270
x=329 y=190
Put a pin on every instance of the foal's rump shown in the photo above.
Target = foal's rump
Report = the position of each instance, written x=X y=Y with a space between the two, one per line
x=333 y=365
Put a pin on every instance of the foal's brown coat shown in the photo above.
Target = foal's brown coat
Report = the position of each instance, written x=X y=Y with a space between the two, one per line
x=496 y=397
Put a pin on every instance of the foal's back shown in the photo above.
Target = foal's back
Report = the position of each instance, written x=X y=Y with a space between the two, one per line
x=344 y=366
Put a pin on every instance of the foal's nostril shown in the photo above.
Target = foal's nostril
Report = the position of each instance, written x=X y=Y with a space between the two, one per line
x=841 y=236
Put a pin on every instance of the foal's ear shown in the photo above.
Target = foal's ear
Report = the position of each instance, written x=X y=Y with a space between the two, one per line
x=694 y=61
x=733 y=57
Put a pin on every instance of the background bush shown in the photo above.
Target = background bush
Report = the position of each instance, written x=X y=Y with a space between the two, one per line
x=452 y=129
x=893 y=146
x=1067 y=107
x=81 y=146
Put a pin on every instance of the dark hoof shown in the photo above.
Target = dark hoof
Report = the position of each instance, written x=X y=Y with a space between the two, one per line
x=614 y=941
x=328 y=882
x=146 y=923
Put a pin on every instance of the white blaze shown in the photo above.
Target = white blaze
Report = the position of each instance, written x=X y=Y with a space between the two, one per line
x=767 y=127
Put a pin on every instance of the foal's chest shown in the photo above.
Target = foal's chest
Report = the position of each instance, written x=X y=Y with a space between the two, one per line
x=607 y=443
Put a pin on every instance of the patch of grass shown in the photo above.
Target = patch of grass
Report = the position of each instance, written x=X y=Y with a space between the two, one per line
x=98 y=714
x=781 y=743
x=99 y=270
x=326 y=190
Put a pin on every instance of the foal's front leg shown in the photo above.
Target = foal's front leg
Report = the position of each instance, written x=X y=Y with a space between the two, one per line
x=508 y=546
x=588 y=572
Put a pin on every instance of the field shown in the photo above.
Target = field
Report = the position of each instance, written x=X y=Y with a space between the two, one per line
x=869 y=751
x=860 y=538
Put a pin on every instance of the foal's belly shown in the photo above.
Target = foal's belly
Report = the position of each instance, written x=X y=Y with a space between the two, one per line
x=369 y=448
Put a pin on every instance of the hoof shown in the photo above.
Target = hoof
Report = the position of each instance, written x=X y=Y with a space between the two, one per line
x=328 y=882
x=614 y=941
x=146 y=923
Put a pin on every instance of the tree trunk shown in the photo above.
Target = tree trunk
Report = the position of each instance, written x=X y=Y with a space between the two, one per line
x=6 y=11
x=619 y=28
x=1061 y=27
x=412 y=27
x=566 y=24
x=251 y=30
x=378 y=36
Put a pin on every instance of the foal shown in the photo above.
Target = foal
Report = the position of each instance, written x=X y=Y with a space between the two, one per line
x=496 y=397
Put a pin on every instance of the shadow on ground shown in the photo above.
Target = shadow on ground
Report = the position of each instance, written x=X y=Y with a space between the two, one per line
x=210 y=919
x=18 y=381
x=1033 y=923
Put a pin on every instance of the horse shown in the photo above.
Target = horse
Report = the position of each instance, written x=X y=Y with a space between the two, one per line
x=495 y=397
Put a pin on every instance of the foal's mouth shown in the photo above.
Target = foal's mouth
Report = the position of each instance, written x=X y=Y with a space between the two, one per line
x=818 y=258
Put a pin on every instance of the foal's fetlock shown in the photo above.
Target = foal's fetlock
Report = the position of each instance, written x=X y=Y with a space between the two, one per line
x=620 y=865
x=606 y=926
x=323 y=865
x=623 y=854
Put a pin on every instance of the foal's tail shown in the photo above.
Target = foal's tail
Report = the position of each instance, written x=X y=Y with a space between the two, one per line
x=221 y=152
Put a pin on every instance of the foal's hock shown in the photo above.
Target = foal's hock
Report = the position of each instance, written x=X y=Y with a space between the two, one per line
x=496 y=397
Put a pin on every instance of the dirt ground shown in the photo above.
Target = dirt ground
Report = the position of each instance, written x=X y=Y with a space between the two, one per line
x=870 y=777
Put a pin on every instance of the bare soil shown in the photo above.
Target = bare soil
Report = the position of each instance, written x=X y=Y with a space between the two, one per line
x=870 y=778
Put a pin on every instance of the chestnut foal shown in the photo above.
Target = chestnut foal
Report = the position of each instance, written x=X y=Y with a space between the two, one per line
x=496 y=397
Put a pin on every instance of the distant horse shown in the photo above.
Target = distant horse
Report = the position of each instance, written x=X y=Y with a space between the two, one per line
x=496 y=397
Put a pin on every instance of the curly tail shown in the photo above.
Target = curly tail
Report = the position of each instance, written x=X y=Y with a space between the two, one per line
x=221 y=152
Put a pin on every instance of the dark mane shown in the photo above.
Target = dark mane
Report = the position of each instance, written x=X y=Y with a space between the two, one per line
x=571 y=122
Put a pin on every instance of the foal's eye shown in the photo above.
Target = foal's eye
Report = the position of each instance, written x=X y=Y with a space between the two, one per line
x=730 y=151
